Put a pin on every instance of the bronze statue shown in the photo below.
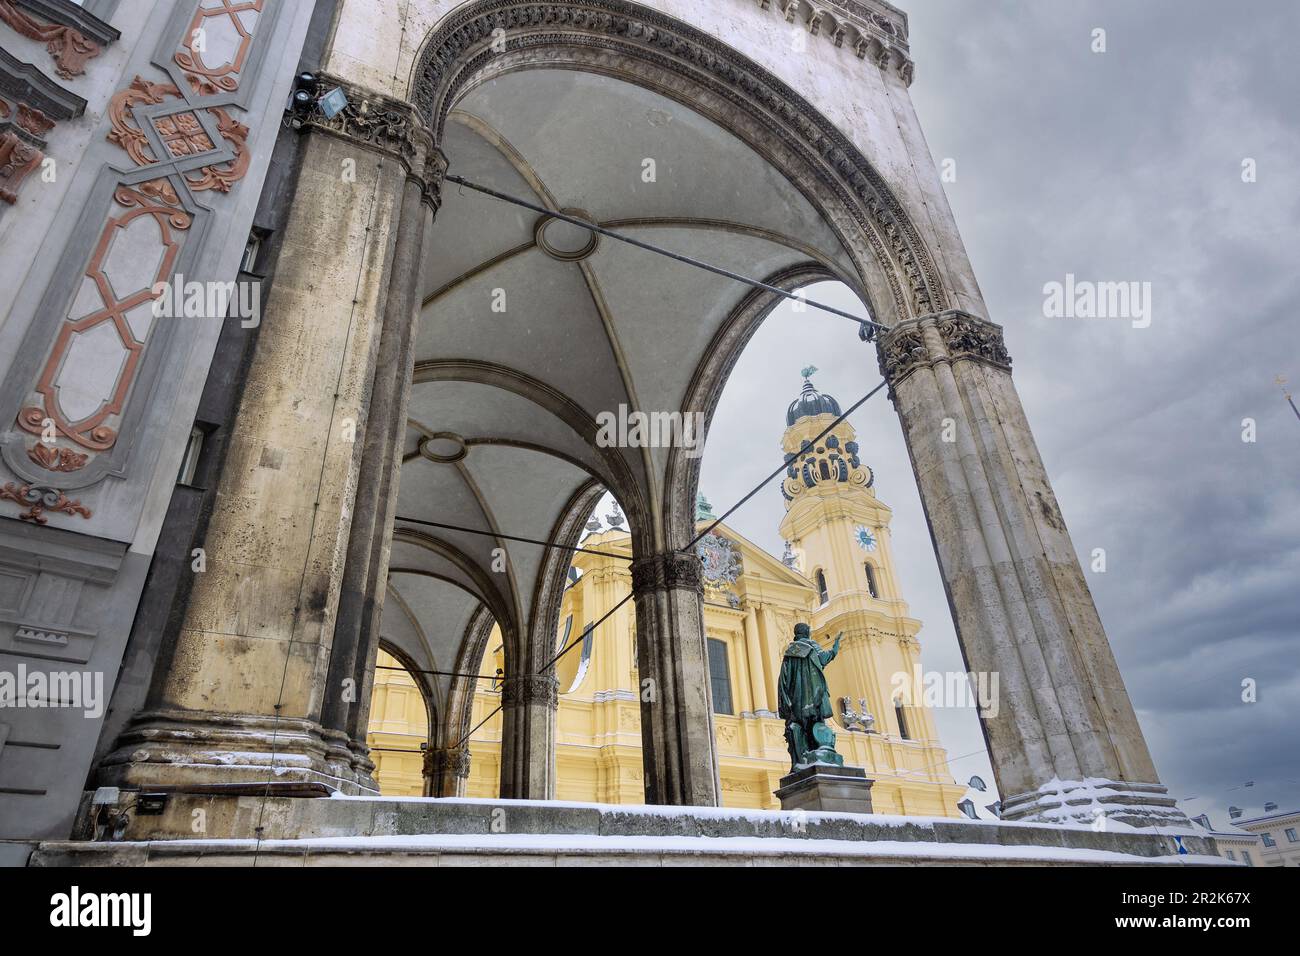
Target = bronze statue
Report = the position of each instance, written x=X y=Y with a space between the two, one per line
x=805 y=701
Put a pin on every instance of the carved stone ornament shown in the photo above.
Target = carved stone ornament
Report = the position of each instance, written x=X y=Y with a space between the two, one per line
x=381 y=123
x=182 y=134
x=530 y=689
x=453 y=760
x=966 y=335
x=671 y=570
x=38 y=501
x=69 y=48
x=462 y=47
x=902 y=349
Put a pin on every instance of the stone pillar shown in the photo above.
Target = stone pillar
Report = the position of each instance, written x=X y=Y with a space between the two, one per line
x=528 y=706
x=445 y=771
x=1064 y=741
x=241 y=700
x=355 y=648
x=678 y=754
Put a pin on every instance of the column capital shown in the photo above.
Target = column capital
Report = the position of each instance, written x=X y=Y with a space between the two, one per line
x=446 y=760
x=530 y=689
x=671 y=569
x=384 y=124
x=939 y=337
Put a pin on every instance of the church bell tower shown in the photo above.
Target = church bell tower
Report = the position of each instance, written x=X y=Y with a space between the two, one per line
x=839 y=536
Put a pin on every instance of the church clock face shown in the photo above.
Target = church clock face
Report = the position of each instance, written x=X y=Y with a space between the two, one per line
x=866 y=540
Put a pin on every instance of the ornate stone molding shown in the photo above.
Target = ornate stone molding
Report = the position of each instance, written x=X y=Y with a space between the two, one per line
x=673 y=569
x=38 y=501
x=876 y=32
x=383 y=124
x=69 y=47
x=906 y=347
x=462 y=47
x=530 y=689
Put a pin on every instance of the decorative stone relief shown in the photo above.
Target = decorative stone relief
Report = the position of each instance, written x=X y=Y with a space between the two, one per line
x=384 y=124
x=530 y=689
x=108 y=329
x=875 y=32
x=672 y=570
x=89 y=372
x=903 y=349
x=69 y=48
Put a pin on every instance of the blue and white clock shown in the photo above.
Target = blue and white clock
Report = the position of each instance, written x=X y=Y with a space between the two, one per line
x=866 y=540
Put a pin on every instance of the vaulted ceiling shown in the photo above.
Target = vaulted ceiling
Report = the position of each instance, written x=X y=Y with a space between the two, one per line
x=529 y=329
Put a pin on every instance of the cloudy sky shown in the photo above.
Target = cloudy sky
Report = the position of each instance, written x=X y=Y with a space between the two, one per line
x=1123 y=165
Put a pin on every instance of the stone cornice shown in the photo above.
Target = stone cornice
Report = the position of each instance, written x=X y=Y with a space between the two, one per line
x=69 y=14
x=874 y=30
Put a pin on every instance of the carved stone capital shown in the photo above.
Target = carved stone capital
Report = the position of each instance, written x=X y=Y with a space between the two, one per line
x=377 y=122
x=968 y=336
x=530 y=689
x=905 y=347
x=672 y=569
x=446 y=760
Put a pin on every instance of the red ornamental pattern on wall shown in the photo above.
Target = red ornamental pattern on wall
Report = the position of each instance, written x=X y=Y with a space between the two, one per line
x=110 y=320
x=69 y=48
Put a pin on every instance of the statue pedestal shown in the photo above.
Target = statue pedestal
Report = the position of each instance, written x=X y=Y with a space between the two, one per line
x=826 y=789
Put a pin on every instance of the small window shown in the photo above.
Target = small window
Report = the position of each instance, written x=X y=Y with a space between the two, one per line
x=1268 y=840
x=719 y=677
x=899 y=713
x=1290 y=835
x=1231 y=856
x=190 y=461
x=872 y=586
x=251 y=249
x=1245 y=855
x=822 y=594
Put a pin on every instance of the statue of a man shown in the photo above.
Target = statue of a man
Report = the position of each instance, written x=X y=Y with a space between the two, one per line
x=805 y=701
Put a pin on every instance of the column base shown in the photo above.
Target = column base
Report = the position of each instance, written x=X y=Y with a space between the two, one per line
x=824 y=788
x=178 y=749
x=1095 y=802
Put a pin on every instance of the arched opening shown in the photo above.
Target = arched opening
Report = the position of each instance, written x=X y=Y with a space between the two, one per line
x=538 y=346
x=401 y=725
x=873 y=586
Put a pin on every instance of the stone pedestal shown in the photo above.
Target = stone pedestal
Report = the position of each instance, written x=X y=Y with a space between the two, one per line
x=825 y=788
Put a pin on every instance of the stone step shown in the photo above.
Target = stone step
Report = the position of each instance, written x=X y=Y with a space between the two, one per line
x=338 y=830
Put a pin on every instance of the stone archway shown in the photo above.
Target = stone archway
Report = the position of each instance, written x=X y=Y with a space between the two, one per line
x=1017 y=593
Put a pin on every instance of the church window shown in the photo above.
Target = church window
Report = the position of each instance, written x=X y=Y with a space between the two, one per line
x=719 y=676
x=822 y=594
x=872 y=586
x=902 y=720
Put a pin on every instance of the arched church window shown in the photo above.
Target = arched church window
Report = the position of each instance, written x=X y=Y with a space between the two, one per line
x=902 y=719
x=822 y=594
x=872 y=586
x=824 y=470
x=719 y=676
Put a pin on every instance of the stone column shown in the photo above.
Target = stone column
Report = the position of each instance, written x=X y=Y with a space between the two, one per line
x=528 y=706
x=445 y=771
x=361 y=602
x=241 y=700
x=678 y=754
x=1064 y=741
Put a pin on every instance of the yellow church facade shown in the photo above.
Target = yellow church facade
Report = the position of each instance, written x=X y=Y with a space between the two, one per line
x=838 y=575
